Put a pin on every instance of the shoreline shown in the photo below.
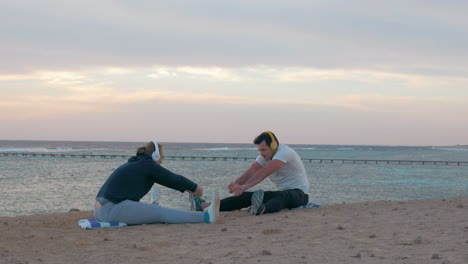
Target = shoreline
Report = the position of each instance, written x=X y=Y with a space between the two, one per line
x=417 y=231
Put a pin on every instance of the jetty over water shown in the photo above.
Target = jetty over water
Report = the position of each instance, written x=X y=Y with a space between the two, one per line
x=210 y=158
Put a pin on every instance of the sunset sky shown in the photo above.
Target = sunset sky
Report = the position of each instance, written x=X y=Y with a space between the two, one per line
x=314 y=72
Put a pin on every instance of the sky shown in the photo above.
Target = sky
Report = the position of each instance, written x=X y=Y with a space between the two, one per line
x=361 y=72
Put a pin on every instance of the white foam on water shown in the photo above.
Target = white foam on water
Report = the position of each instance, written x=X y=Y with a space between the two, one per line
x=19 y=150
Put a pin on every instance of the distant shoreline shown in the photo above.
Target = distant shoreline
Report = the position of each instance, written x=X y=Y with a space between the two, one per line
x=234 y=143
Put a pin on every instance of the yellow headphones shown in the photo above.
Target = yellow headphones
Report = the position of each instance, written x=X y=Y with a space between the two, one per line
x=273 y=144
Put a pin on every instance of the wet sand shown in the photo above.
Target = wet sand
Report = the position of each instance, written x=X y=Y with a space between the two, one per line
x=425 y=231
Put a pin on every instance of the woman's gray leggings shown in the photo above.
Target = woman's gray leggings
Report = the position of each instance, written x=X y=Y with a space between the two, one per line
x=136 y=213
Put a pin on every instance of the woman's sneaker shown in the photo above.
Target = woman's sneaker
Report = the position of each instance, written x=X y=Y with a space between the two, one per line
x=257 y=207
x=196 y=203
x=213 y=210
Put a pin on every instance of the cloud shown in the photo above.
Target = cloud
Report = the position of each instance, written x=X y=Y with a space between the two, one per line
x=217 y=73
x=109 y=100
x=325 y=35
x=410 y=105
x=396 y=59
x=110 y=89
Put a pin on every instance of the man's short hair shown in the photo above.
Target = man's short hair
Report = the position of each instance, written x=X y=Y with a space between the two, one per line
x=265 y=136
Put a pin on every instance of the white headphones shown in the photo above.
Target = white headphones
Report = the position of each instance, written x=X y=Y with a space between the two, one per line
x=155 y=155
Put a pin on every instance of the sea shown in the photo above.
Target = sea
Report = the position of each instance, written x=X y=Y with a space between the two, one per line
x=39 y=177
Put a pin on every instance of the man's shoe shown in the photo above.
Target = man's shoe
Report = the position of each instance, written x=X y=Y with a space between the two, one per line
x=257 y=207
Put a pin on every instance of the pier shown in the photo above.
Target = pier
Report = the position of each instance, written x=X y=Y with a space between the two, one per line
x=206 y=158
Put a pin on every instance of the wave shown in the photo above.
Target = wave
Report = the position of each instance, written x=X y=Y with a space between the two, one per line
x=36 y=149
x=450 y=149
x=306 y=148
x=224 y=148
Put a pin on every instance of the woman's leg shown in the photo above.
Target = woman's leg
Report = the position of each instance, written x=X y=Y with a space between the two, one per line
x=135 y=213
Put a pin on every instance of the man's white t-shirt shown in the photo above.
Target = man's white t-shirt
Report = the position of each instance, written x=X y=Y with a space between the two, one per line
x=292 y=175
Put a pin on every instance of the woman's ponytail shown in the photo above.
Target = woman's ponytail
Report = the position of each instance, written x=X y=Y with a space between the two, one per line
x=140 y=151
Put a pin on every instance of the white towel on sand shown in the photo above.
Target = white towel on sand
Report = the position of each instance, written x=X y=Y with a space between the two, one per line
x=92 y=223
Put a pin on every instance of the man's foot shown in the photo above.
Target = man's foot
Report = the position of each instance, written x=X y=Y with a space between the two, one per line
x=196 y=203
x=257 y=207
x=213 y=210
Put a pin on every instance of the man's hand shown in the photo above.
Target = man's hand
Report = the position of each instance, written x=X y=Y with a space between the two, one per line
x=237 y=190
x=229 y=187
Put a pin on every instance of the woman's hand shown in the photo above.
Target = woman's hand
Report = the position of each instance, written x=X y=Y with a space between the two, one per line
x=197 y=192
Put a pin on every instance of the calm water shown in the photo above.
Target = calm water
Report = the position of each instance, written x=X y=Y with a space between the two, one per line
x=30 y=185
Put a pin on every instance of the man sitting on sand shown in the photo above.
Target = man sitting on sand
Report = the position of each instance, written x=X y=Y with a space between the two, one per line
x=285 y=169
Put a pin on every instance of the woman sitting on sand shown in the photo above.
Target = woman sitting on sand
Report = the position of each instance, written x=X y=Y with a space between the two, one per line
x=118 y=200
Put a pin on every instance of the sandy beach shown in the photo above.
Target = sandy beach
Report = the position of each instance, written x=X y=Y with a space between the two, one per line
x=425 y=231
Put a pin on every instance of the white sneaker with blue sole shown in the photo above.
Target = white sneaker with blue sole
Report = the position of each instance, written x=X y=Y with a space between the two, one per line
x=213 y=210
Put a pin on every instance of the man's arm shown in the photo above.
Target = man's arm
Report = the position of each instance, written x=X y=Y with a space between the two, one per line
x=258 y=176
x=245 y=176
x=251 y=171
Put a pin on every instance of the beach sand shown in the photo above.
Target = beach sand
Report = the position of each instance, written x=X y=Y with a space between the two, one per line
x=426 y=231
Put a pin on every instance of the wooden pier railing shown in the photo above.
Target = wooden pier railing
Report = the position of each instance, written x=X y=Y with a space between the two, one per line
x=205 y=158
